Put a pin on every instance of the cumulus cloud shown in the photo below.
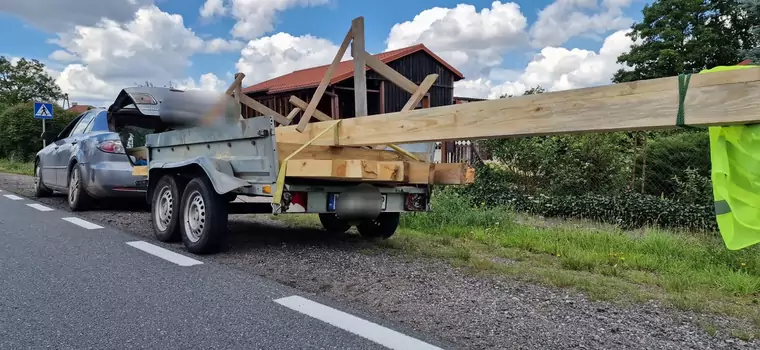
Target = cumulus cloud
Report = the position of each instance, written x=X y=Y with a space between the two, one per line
x=57 y=15
x=253 y=17
x=207 y=82
x=282 y=53
x=557 y=68
x=152 y=46
x=564 y=19
x=471 y=40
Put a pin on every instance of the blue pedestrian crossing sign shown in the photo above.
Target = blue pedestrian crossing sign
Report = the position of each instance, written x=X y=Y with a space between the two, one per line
x=43 y=110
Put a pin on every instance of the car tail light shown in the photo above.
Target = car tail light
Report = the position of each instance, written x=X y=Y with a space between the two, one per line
x=111 y=147
x=416 y=202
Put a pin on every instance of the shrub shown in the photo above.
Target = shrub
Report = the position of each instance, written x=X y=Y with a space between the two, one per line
x=20 y=135
x=668 y=155
x=626 y=209
x=566 y=164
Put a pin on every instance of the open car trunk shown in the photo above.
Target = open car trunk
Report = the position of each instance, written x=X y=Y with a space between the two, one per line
x=135 y=114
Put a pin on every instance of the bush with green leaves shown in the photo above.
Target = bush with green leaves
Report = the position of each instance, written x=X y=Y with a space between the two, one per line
x=20 y=135
x=666 y=156
x=627 y=209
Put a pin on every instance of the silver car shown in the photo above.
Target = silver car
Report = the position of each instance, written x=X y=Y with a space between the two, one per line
x=88 y=162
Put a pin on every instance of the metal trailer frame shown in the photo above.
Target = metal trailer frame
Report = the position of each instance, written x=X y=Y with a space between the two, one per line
x=218 y=164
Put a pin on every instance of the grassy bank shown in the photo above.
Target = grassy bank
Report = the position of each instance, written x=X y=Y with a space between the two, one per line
x=15 y=167
x=690 y=271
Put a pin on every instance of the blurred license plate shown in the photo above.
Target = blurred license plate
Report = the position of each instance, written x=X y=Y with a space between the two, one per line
x=332 y=198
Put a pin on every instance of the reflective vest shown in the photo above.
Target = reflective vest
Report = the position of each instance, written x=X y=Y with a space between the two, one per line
x=735 y=158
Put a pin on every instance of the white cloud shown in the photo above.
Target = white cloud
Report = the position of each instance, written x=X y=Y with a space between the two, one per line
x=212 y=8
x=282 y=53
x=254 y=18
x=557 y=68
x=471 y=40
x=564 y=19
x=222 y=45
x=153 y=46
x=207 y=82
x=57 y=15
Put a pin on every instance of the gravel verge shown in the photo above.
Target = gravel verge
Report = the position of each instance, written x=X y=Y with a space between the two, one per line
x=427 y=295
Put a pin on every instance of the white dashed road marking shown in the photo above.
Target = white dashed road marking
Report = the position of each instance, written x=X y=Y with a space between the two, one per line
x=82 y=223
x=363 y=328
x=39 y=207
x=13 y=197
x=165 y=254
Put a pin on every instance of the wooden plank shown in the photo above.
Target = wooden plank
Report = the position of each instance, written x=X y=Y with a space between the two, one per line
x=360 y=69
x=309 y=110
x=235 y=84
x=452 y=174
x=256 y=105
x=292 y=115
x=327 y=152
x=389 y=73
x=717 y=98
x=349 y=169
x=303 y=105
x=420 y=92
x=238 y=91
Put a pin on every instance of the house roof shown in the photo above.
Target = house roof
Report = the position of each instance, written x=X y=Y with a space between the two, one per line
x=79 y=108
x=311 y=77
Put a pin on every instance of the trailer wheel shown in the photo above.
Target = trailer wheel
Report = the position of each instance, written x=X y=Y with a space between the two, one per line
x=203 y=217
x=332 y=224
x=165 y=209
x=384 y=226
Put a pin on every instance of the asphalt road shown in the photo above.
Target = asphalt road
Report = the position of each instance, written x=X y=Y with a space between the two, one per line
x=70 y=283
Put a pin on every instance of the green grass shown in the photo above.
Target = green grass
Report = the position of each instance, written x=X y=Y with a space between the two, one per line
x=15 y=167
x=685 y=270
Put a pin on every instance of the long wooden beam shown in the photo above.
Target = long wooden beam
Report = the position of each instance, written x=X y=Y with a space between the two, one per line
x=309 y=110
x=717 y=98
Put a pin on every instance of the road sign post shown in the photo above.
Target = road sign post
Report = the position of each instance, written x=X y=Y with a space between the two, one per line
x=43 y=111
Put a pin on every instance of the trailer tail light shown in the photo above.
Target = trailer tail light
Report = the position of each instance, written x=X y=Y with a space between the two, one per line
x=111 y=147
x=298 y=198
x=415 y=202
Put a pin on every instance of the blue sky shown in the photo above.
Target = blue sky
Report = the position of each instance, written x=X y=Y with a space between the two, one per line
x=21 y=38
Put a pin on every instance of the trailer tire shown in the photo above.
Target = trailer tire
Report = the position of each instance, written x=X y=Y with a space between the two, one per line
x=164 y=209
x=332 y=224
x=203 y=215
x=384 y=226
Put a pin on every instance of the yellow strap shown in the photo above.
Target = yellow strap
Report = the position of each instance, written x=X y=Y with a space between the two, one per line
x=277 y=197
x=404 y=152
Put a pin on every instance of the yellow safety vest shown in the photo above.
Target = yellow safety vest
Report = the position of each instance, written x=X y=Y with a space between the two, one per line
x=735 y=158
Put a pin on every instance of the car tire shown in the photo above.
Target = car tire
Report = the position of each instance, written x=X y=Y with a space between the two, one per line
x=203 y=217
x=78 y=198
x=164 y=209
x=332 y=224
x=384 y=226
x=39 y=188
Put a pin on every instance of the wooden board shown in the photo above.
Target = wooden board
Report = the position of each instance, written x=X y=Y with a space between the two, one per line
x=327 y=152
x=717 y=98
x=349 y=169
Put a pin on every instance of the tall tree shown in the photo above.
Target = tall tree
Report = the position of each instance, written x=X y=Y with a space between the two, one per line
x=753 y=10
x=25 y=81
x=686 y=36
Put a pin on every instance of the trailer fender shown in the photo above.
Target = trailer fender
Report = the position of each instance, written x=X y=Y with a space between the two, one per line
x=218 y=171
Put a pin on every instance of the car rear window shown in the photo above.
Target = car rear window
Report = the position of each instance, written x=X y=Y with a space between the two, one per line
x=100 y=123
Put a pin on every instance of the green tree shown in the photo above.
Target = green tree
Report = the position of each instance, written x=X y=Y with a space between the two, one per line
x=686 y=36
x=753 y=10
x=20 y=136
x=25 y=81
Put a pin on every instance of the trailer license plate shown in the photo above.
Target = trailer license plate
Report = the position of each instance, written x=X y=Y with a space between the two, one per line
x=332 y=198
